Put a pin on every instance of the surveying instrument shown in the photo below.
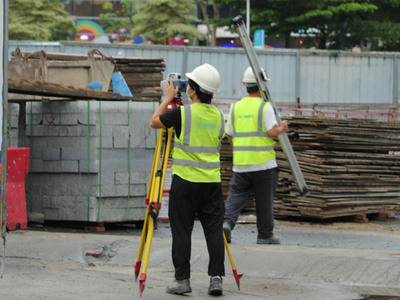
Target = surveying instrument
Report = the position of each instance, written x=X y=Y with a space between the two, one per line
x=262 y=85
x=156 y=188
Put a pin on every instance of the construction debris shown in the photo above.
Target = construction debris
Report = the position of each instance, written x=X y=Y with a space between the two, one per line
x=351 y=166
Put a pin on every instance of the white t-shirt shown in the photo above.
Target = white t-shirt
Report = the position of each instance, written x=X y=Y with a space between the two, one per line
x=269 y=122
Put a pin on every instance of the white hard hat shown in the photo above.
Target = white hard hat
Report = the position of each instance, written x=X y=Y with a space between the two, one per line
x=249 y=78
x=207 y=77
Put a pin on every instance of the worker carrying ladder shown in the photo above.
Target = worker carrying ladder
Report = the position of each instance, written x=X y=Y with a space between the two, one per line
x=262 y=85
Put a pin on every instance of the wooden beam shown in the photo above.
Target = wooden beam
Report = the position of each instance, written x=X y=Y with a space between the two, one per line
x=38 y=88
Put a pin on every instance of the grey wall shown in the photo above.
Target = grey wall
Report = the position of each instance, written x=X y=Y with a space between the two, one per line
x=311 y=76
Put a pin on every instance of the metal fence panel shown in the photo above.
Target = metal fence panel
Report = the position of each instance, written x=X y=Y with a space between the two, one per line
x=304 y=75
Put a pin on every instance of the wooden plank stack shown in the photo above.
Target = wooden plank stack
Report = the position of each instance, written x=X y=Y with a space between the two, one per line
x=142 y=75
x=351 y=167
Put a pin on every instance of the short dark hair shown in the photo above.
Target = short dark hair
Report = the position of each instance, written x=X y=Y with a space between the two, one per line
x=204 y=98
x=252 y=88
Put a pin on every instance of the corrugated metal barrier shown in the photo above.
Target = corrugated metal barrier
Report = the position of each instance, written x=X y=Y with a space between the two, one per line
x=297 y=76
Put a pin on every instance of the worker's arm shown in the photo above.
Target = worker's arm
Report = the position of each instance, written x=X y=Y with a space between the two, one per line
x=277 y=130
x=170 y=93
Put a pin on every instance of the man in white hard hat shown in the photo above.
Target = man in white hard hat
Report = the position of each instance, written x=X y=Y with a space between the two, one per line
x=252 y=125
x=196 y=184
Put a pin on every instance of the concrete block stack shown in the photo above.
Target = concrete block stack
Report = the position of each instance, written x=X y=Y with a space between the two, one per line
x=12 y=126
x=90 y=161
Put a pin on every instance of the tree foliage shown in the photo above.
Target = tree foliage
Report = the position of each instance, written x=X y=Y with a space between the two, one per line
x=337 y=24
x=161 y=20
x=41 y=20
x=113 y=21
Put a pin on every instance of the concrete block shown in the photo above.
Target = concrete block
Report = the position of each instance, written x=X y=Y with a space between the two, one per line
x=36 y=166
x=51 y=214
x=135 y=177
x=69 y=131
x=12 y=138
x=68 y=107
x=36 y=153
x=93 y=166
x=69 y=153
x=69 y=166
x=150 y=137
x=34 y=119
x=85 y=131
x=84 y=106
x=34 y=108
x=51 y=119
x=68 y=118
x=107 y=130
x=51 y=154
x=120 y=142
x=35 y=130
x=50 y=107
x=84 y=119
x=106 y=142
x=120 y=131
x=114 y=118
x=107 y=177
x=62 y=142
x=51 y=166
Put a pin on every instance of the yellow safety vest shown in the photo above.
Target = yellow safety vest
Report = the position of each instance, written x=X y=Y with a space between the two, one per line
x=196 y=151
x=251 y=143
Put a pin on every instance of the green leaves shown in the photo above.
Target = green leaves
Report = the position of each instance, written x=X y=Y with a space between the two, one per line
x=38 y=20
x=161 y=20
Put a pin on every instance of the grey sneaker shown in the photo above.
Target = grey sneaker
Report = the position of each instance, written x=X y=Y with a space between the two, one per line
x=271 y=240
x=179 y=287
x=227 y=231
x=215 y=288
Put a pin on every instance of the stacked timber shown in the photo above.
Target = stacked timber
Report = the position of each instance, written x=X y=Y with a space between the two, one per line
x=351 y=167
x=142 y=75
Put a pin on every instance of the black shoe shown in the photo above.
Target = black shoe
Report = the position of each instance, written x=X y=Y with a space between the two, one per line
x=179 y=287
x=271 y=240
x=215 y=288
x=227 y=231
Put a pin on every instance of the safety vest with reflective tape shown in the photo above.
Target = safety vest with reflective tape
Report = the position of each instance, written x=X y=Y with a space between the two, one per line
x=196 y=151
x=251 y=143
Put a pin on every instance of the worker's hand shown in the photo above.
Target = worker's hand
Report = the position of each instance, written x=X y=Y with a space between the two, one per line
x=283 y=127
x=170 y=90
x=277 y=130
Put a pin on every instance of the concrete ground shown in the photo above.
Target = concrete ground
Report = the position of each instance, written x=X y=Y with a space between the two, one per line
x=339 y=260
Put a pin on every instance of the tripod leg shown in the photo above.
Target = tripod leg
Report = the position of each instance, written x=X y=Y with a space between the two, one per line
x=150 y=189
x=146 y=257
x=235 y=273
x=138 y=263
x=154 y=204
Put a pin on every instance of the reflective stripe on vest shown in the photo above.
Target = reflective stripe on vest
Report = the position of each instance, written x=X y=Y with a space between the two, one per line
x=186 y=137
x=259 y=131
x=191 y=160
x=252 y=145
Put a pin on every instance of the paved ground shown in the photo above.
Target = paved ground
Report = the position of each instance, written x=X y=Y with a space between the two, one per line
x=315 y=261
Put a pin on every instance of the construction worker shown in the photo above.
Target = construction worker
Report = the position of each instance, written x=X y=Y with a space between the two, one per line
x=196 y=183
x=250 y=129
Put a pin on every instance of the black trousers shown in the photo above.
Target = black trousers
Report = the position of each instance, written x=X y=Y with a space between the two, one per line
x=188 y=200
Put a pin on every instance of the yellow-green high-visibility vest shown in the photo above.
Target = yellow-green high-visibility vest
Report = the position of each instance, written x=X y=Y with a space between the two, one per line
x=196 y=151
x=251 y=143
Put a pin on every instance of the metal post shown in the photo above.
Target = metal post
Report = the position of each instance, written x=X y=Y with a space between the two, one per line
x=4 y=122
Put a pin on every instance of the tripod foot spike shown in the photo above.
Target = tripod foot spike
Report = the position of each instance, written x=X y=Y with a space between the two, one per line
x=237 y=278
x=137 y=269
x=142 y=280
